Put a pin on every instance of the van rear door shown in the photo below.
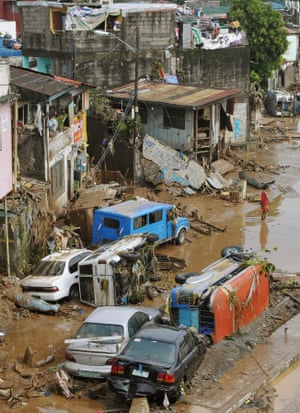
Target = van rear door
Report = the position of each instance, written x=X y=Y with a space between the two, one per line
x=105 y=228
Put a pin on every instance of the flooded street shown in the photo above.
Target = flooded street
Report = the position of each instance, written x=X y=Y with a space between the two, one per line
x=287 y=388
x=277 y=239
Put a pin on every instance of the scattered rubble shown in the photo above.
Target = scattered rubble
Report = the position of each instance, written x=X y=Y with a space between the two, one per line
x=173 y=165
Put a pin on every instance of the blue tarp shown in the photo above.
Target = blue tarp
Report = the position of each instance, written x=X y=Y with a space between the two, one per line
x=7 y=52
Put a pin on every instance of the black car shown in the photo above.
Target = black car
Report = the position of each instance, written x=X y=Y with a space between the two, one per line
x=156 y=362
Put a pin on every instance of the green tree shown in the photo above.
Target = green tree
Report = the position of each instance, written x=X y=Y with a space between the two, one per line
x=265 y=33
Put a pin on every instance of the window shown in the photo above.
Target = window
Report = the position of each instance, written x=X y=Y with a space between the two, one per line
x=140 y=222
x=155 y=216
x=73 y=264
x=57 y=20
x=86 y=269
x=185 y=348
x=99 y=330
x=174 y=118
x=111 y=223
x=23 y=114
x=58 y=178
x=141 y=319
x=132 y=326
x=143 y=113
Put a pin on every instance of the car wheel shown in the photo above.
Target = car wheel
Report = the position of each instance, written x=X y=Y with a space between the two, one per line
x=132 y=256
x=174 y=395
x=181 y=237
x=74 y=292
x=155 y=277
x=232 y=249
x=151 y=238
x=183 y=276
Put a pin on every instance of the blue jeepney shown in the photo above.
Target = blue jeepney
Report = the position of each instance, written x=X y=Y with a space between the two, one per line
x=160 y=220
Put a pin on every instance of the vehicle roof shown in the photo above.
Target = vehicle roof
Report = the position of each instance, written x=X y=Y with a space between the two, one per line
x=112 y=314
x=112 y=250
x=65 y=254
x=134 y=208
x=161 y=332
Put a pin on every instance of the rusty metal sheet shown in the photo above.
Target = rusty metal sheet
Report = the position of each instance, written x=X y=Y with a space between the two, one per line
x=95 y=197
x=37 y=82
x=176 y=95
x=222 y=167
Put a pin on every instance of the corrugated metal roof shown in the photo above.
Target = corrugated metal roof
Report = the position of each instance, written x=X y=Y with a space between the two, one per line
x=127 y=7
x=38 y=82
x=175 y=95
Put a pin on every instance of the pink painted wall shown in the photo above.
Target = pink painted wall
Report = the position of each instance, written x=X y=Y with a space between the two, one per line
x=6 y=171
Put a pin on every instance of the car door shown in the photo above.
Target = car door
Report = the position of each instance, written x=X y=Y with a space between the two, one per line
x=190 y=354
x=73 y=269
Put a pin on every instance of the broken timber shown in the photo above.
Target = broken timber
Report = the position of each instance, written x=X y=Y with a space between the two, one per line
x=166 y=262
x=205 y=227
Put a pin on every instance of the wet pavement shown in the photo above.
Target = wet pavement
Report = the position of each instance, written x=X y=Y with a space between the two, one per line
x=287 y=387
x=262 y=366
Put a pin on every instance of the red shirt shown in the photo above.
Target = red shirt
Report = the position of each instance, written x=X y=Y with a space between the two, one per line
x=264 y=199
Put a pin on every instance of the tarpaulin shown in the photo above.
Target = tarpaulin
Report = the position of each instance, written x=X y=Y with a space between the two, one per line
x=86 y=18
x=196 y=36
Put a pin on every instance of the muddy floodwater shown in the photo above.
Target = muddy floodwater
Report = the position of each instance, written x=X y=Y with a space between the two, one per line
x=287 y=388
x=277 y=239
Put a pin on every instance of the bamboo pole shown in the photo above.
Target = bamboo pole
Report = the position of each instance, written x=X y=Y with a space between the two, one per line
x=6 y=237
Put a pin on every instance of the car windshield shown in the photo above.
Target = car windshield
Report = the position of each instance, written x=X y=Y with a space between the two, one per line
x=150 y=350
x=49 y=268
x=99 y=330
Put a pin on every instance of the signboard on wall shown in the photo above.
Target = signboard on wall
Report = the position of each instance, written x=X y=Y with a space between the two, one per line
x=78 y=128
x=6 y=183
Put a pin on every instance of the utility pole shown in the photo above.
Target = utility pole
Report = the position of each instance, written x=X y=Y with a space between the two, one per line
x=136 y=76
x=135 y=103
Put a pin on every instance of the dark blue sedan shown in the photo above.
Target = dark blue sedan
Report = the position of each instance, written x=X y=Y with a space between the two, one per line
x=156 y=362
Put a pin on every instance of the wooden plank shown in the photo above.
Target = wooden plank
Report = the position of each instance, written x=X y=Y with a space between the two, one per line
x=139 y=405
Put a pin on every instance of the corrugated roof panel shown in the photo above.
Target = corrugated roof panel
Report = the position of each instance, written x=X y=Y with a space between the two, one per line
x=37 y=82
x=176 y=95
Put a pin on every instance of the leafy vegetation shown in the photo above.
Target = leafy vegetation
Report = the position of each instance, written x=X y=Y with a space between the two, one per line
x=265 y=33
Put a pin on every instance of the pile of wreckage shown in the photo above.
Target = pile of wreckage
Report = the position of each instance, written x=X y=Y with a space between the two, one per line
x=167 y=169
x=163 y=164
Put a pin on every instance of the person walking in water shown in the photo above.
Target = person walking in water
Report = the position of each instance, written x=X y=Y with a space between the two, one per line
x=264 y=202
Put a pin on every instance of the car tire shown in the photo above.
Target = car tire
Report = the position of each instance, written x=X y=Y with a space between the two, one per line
x=74 y=292
x=155 y=277
x=174 y=395
x=183 y=276
x=132 y=256
x=231 y=250
x=152 y=238
x=181 y=237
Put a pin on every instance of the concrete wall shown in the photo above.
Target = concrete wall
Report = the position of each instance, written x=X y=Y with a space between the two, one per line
x=98 y=59
x=226 y=68
x=5 y=149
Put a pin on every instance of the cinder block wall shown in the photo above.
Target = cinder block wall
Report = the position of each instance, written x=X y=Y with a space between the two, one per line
x=221 y=68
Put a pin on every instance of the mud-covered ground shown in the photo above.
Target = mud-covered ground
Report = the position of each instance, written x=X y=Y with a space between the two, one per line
x=25 y=388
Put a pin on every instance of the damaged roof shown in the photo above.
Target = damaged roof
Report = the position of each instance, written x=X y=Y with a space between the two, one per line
x=173 y=95
x=49 y=86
